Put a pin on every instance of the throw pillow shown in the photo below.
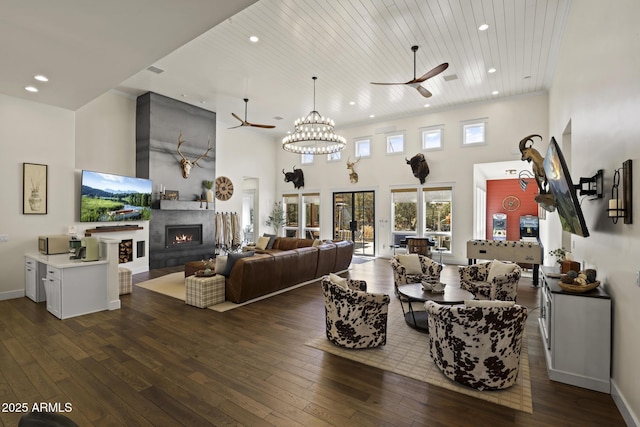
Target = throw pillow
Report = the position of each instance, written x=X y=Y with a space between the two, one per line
x=262 y=242
x=231 y=260
x=338 y=281
x=221 y=263
x=272 y=238
x=499 y=268
x=316 y=242
x=489 y=303
x=411 y=262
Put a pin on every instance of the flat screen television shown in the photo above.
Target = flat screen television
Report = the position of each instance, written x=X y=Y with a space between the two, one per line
x=564 y=192
x=107 y=197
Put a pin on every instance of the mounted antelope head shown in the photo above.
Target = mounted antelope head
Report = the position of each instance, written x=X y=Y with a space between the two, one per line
x=186 y=164
x=353 y=176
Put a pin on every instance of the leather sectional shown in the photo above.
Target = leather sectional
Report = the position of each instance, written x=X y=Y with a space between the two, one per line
x=291 y=261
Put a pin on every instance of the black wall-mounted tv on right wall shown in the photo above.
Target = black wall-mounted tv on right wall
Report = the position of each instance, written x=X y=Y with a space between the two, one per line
x=562 y=188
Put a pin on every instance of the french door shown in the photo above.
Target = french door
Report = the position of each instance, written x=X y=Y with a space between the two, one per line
x=354 y=219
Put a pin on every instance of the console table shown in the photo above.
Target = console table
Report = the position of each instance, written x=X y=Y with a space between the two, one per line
x=576 y=331
x=72 y=287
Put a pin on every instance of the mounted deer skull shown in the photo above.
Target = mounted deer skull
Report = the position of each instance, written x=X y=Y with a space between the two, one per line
x=353 y=176
x=186 y=164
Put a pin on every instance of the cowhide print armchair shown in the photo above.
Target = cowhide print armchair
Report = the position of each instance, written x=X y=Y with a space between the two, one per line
x=494 y=280
x=429 y=270
x=354 y=317
x=477 y=346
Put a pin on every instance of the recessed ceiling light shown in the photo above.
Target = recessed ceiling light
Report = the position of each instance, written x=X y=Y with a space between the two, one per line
x=184 y=95
x=427 y=105
x=254 y=39
x=41 y=78
x=495 y=92
x=527 y=77
x=31 y=89
x=352 y=103
x=372 y=116
x=491 y=70
x=483 y=27
x=203 y=102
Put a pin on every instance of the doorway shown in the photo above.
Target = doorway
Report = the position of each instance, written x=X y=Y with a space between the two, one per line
x=354 y=219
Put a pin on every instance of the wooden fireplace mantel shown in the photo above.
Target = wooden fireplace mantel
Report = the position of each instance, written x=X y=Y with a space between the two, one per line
x=111 y=229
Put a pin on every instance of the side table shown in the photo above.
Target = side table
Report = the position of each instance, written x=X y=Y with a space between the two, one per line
x=204 y=291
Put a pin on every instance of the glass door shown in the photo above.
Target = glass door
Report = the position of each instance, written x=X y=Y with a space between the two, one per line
x=354 y=219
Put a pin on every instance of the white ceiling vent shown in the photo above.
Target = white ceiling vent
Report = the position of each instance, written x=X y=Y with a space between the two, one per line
x=450 y=77
x=155 y=69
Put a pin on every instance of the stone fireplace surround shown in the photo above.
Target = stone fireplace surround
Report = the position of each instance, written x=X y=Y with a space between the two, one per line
x=159 y=122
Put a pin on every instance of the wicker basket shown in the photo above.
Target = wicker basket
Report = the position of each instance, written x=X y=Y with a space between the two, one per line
x=579 y=288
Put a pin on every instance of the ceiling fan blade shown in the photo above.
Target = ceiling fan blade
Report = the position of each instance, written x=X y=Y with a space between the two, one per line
x=234 y=115
x=235 y=127
x=424 y=92
x=389 y=83
x=255 y=125
x=433 y=72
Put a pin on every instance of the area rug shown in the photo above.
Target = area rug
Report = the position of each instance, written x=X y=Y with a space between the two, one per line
x=172 y=285
x=407 y=353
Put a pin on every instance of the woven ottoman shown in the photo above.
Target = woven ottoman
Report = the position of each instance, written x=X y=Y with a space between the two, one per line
x=124 y=280
x=204 y=291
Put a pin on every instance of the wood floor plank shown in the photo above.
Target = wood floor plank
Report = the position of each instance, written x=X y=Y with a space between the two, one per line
x=160 y=362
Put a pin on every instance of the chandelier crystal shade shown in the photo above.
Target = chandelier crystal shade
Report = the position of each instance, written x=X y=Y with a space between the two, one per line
x=313 y=134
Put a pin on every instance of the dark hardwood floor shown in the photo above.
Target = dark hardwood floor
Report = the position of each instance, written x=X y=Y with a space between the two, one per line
x=159 y=362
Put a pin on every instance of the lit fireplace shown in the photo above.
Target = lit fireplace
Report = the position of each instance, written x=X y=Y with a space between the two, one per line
x=183 y=235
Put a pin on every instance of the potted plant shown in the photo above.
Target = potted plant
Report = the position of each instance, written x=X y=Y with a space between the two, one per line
x=276 y=217
x=209 y=192
x=560 y=254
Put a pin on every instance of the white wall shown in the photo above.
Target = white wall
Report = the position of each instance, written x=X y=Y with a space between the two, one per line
x=596 y=89
x=509 y=120
x=33 y=133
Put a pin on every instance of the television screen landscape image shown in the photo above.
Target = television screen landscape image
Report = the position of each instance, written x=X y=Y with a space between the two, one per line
x=113 y=198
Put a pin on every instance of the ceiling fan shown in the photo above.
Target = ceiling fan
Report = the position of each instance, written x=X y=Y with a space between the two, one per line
x=416 y=81
x=245 y=122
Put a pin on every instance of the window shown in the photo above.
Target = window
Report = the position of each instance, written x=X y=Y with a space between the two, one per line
x=404 y=205
x=291 y=211
x=311 y=203
x=432 y=138
x=436 y=209
x=363 y=147
x=306 y=159
x=395 y=143
x=334 y=157
x=474 y=132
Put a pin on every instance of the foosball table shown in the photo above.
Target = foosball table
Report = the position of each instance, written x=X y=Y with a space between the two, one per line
x=521 y=252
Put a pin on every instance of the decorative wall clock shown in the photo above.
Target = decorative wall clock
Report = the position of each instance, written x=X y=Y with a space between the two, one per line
x=224 y=188
x=511 y=203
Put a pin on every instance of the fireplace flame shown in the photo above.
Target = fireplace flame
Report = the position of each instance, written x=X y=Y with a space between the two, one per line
x=183 y=238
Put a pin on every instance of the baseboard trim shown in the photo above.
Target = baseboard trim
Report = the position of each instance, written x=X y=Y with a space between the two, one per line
x=18 y=293
x=630 y=418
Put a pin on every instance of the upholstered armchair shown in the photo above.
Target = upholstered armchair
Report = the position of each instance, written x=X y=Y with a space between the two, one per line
x=495 y=280
x=478 y=346
x=354 y=317
x=407 y=270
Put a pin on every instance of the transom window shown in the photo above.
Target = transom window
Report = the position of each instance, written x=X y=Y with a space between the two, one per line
x=474 y=132
x=432 y=138
x=395 y=143
x=363 y=147
x=306 y=159
x=334 y=157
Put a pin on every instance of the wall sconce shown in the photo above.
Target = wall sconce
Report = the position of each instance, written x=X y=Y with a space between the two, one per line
x=622 y=208
x=593 y=186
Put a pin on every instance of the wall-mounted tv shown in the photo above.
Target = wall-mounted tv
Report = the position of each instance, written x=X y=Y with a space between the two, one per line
x=107 y=197
x=562 y=188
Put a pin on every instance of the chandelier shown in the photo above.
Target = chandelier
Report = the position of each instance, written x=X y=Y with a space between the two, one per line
x=313 y=134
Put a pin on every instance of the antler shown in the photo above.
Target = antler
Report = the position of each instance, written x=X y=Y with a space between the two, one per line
x=206 y=154
x=180 y=142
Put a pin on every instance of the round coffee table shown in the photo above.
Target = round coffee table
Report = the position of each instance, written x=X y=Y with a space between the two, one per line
x=413 y=292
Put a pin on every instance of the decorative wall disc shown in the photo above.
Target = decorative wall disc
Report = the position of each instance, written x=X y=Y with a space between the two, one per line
x=224 y=188
x=511 y=203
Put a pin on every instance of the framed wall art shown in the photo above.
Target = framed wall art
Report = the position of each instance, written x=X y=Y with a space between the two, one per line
x=34 y=189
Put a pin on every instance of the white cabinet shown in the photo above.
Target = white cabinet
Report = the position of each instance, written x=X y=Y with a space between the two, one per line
x=72 y=287
x=576 y=329
x=33 y=283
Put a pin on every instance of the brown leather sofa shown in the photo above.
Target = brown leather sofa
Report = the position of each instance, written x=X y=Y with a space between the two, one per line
x=290 y=262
